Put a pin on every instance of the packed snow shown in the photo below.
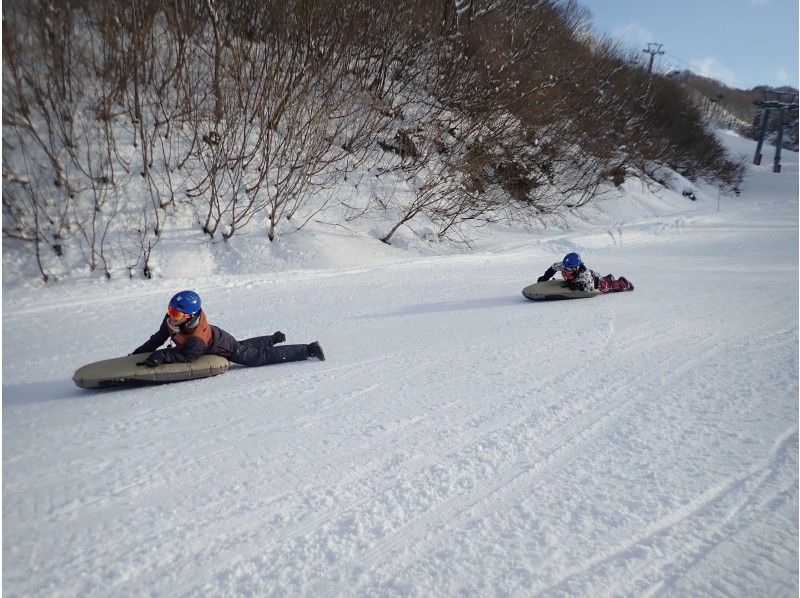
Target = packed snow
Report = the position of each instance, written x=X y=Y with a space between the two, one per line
x=458 y=440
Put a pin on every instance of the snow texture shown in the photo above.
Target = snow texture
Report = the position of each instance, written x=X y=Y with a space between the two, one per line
x=458 y=440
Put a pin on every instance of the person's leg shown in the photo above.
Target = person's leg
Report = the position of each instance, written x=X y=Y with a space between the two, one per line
x=616 y=286
x=604 y=283
x=628 y=283
x=261 y=351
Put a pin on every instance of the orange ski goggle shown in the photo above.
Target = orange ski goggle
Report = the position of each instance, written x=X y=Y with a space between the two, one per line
x=176 y=314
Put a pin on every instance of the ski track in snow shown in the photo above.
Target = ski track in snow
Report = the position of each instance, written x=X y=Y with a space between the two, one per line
x=458 y=440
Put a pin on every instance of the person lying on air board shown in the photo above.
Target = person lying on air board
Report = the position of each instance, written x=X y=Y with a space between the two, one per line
x=581 y=278
x=185 y=324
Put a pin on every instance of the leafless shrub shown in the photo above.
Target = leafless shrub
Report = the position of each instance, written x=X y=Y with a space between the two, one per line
x=258 y=110
x=62 y=96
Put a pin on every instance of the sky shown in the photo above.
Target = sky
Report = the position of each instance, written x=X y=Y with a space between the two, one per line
x=742 y=43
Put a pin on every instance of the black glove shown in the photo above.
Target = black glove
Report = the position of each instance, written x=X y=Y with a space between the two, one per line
x=278 y=337
x=542 y=279
x=575 y=286
x=149 y=362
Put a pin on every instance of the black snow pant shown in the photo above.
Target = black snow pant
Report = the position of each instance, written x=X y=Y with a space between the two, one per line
x=261 y=351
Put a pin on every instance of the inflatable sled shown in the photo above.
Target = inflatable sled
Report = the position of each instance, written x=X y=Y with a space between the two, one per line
x=123 y=371
x=554 y=289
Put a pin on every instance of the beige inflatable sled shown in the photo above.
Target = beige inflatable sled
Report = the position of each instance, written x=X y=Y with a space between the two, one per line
x=124 y=371
x=554 y=289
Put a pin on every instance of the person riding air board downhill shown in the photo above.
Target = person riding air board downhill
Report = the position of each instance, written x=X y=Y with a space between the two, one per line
x=581 y=278
x=185 y=324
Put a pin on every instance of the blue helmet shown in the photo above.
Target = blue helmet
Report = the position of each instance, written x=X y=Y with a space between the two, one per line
x=572 y=260
x=187 y=302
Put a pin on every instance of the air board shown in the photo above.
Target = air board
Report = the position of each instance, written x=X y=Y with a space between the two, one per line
x=554 y=289
x=124 y=371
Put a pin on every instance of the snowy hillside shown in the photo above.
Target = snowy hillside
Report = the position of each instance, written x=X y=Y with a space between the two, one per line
x=458 y=440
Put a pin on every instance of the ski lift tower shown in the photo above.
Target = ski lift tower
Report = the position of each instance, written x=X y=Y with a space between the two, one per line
x=783 y=102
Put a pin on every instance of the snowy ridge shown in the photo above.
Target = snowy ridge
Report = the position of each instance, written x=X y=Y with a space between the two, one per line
x=458 y=440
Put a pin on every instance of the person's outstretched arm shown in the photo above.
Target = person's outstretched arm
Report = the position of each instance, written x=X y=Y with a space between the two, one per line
x=158 y=339
x=551 y=271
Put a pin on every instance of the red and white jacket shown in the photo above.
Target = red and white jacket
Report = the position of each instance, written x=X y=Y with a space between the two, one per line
x=581 y=279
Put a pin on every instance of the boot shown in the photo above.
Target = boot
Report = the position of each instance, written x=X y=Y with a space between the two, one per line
x=314 y=350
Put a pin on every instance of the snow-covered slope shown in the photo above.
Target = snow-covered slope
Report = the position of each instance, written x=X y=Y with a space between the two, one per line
x=458 y=440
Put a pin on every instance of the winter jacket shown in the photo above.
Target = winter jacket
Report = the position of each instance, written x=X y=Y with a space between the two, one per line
x=584 y=279
x=581 y=279
x=192 y=339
